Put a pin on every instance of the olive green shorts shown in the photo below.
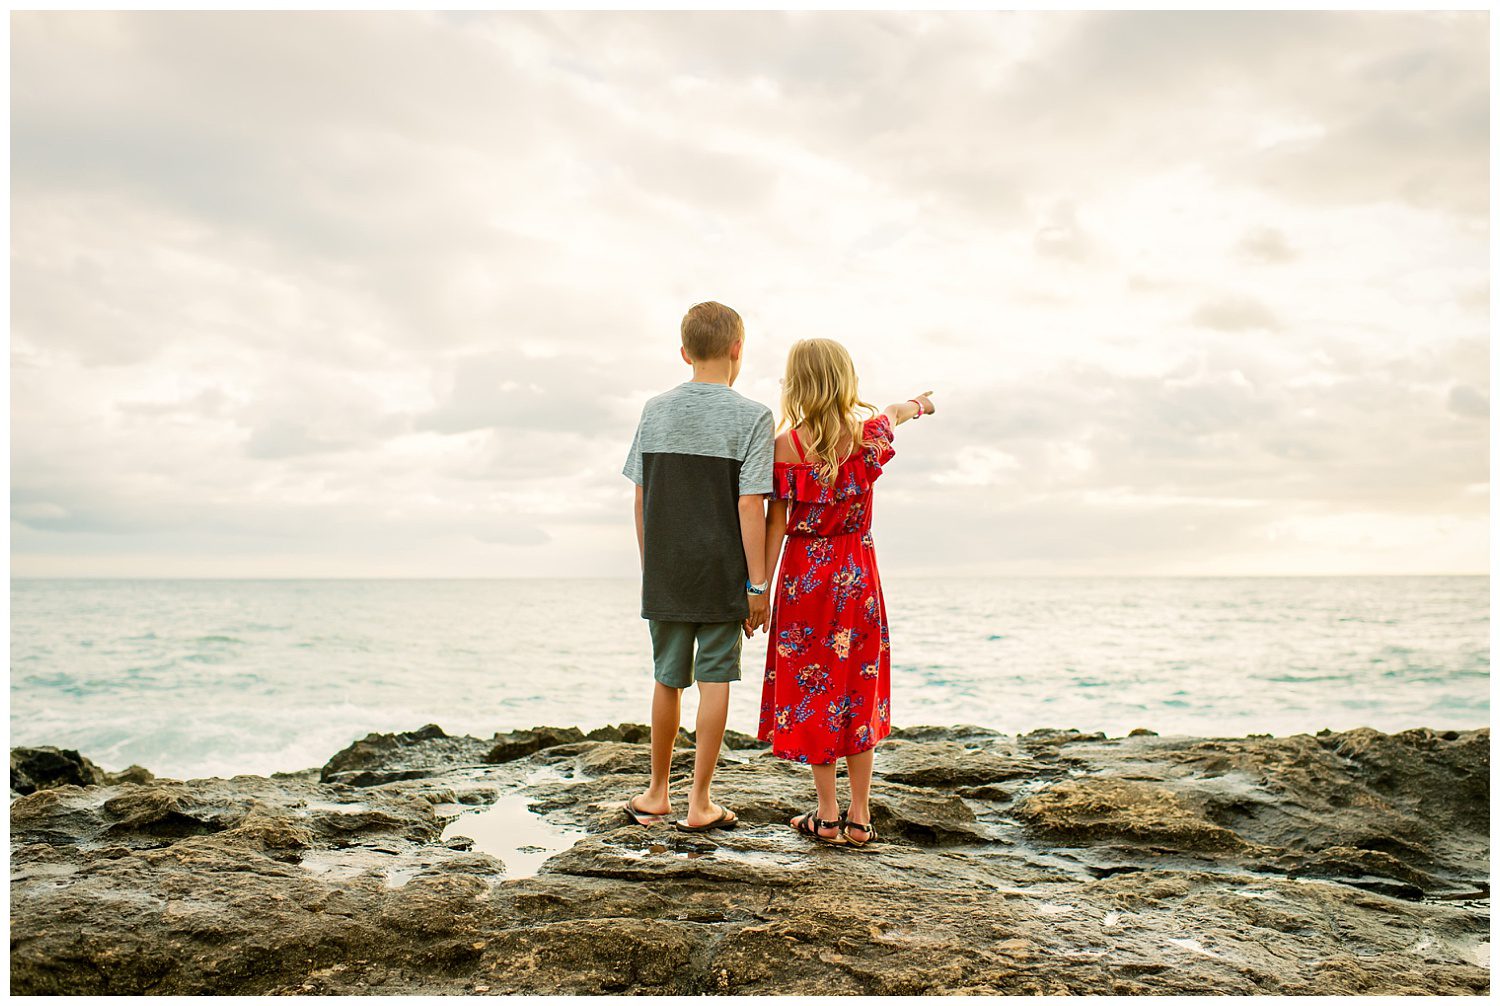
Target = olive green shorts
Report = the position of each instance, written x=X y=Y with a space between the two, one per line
x=718 y=657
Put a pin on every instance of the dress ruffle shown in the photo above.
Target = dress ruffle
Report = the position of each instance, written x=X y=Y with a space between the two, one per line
x=797 y=480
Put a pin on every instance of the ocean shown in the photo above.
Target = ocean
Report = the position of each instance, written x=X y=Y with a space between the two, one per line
x=219 y=677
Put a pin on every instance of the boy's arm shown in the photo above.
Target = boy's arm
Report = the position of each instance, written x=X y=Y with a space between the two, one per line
x=753 y=539
x=640 y=522
x=755 y=485
x=753 y=535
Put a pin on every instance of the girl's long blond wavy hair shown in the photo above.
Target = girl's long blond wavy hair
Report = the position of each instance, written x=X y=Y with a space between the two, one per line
x=820 y=397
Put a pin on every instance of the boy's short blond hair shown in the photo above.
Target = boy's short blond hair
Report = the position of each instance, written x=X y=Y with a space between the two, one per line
x=709 y=329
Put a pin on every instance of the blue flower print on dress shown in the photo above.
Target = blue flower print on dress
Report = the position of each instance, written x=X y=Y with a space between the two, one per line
x=852 y=486
x=842 y=710
x=808 y=522
x=819 y=551
x=854 y=516
x=795 y=587
x=813 y=679
x=803 y=710
x=794 y=640
x=847 y=581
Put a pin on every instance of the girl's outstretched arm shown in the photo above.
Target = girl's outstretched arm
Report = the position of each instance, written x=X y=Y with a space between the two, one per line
x=902 y=411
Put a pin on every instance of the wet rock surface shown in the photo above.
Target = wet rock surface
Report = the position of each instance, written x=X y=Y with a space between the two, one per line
x=1050 y=862
x=32 y=769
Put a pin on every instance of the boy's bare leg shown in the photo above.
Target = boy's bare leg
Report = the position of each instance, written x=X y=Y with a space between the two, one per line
x=666 y=714
x=713 y=713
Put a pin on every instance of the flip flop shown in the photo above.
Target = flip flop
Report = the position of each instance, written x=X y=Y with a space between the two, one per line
x=726 y=819
x=640 y=816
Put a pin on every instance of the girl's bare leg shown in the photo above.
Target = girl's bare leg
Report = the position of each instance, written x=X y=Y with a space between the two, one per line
x=825 y=779
x=861 y=767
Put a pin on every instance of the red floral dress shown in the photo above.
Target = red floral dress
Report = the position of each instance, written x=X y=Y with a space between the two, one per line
x=827 y=691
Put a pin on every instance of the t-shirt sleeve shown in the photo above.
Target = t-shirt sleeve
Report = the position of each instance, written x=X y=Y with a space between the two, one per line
x=755 y=468
x=632 y=469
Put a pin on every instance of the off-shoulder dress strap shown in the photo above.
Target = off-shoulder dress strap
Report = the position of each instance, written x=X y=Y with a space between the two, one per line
x=797 y=443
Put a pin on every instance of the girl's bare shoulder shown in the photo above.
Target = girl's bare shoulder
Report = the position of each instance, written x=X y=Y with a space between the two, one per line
x=785 y=452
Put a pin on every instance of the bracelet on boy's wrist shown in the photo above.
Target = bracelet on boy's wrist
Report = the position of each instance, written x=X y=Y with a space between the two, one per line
x=752 y=588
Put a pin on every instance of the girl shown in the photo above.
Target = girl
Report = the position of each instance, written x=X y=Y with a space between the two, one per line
x=827 y=692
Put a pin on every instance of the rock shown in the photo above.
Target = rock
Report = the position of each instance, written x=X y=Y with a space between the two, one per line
x=618 y=758
x=1092 y=809
x=1163 y=866
x=134 y=773
x=1143 y=732
x=416 y=754
x=947 y=764
x=925 y=818
x=635 y=733
x=1364 y=867
x=736 y=741
x=962 y=732
x=32 y=769
x=639 y=733
x=1048 y=738
x=520 y=743
x=163 y=811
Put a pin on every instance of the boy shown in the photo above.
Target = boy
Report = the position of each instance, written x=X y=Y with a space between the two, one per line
x=701 y=463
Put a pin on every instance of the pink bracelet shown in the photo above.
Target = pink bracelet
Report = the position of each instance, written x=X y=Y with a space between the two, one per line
x=920 y=412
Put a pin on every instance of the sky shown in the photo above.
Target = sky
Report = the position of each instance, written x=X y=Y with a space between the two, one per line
x=383 y=294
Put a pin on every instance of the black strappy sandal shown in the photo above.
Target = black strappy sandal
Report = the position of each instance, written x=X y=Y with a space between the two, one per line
x=869 y=829
x=809 y=823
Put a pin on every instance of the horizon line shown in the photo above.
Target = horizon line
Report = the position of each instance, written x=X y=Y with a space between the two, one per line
x=936 y=576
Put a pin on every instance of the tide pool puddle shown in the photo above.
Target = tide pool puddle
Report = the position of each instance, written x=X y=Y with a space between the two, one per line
x=509 y=831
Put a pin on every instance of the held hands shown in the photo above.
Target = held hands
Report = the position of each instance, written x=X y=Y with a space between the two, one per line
x=760 y=612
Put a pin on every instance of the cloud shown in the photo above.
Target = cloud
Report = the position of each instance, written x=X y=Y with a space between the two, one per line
x=385 y=292
x=508 y=390
x=1464 y=400
x=1062 y=236
x=1266 y=245
x=284 y=439
x=1235 y=314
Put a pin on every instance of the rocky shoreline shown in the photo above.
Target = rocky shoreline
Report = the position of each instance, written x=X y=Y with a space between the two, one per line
x=1049 y=862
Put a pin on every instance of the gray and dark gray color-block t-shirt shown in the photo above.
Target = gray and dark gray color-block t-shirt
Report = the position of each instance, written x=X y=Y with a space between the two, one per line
x=697 y=450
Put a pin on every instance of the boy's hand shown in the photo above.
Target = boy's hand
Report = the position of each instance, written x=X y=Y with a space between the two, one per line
x=760 y=612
